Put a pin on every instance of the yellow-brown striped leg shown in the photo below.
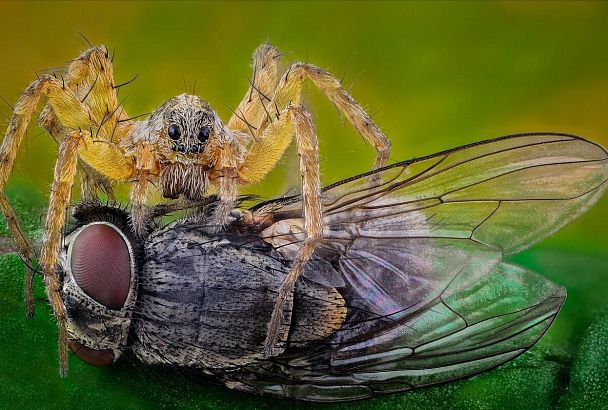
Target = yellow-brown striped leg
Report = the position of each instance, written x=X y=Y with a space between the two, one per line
x=90 y=78
x=267 y=150
x=289 y=91
x=252 y=110
x=26 y=251
x=65 y=170
x=307 y=144
x=139 y=209
x=227 y=191
x=75 y=115
x=91 y=182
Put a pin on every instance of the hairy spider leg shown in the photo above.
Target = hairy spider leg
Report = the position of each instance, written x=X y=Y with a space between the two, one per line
x=273 y=137
x=90 y=78
x=308 y=152
x=103 y=155
x=245 y=121
x=253 y=108
x=65 y=170
x=259 y=161
x=8 y=151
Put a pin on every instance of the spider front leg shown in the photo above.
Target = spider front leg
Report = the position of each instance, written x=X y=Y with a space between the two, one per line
x=252 y=109
x=90 y=77
x=65 y=170
x=298 y=119
x=227 y=192
x=266 y=153
x=289 y=91
x=74 y=115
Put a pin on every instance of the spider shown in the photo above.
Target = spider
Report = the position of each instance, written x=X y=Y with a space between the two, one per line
x=183 y=148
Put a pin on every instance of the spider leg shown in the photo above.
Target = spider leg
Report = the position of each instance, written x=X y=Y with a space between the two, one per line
x=307 y=145
x=138 y=199
x=75 y=143
x=91 y=181
x=289 y=91
x=90 y=78
x=76 y=115
x=103 y=155
x=25 y=249
x=252 y=109
x=227 y=192
x=143 y=171
x=267 y=150
x=65 y=170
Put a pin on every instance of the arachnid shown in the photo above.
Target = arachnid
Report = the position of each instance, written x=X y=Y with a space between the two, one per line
x=183 y=147
x=406 y=288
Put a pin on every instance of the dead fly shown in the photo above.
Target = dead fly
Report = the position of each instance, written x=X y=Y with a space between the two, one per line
x=406 y=288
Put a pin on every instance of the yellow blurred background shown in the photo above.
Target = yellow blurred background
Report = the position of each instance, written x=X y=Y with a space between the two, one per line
x=435 y=75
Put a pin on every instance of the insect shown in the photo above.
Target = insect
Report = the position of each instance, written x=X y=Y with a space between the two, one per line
x=406 y=288
x=183 y=147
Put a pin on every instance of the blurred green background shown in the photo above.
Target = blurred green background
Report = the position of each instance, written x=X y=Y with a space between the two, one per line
x=435 y=75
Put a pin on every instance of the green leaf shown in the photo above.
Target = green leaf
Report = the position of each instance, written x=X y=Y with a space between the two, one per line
x=589 y=376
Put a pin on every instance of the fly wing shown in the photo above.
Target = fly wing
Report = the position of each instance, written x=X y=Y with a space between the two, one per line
x=508 y=193
x=401 y=234
x=474 y=325
x=416 y=251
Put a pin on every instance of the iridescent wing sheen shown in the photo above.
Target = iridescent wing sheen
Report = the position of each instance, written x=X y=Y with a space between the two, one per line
x=416 y=250
x=474 y=325
x=402 y=233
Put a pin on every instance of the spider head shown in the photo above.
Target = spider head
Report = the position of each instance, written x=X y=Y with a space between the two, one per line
x=185 y=125
x=189 y=140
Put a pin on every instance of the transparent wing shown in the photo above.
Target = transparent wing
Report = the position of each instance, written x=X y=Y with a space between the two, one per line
x=416 y=251
x=507 y=193
x=400 y=241
x=474 y=325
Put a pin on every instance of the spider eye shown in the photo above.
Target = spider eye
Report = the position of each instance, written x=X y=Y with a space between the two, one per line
x=174 y=132
x=203 y=134
x=101 y=264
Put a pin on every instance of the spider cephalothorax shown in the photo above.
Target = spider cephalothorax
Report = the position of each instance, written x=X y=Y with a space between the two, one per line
x=186 y=130
x=183 y=148
x=188 y=139
x=189 y=123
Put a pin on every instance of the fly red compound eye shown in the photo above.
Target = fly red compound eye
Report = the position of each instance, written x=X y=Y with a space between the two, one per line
x=100 y=261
